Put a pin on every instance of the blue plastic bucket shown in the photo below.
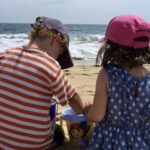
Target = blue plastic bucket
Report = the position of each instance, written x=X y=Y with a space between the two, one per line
x=53 y=109
x=70 y=115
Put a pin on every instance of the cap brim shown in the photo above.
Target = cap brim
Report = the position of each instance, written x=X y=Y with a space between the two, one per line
x=102 y=39
x=65 y=60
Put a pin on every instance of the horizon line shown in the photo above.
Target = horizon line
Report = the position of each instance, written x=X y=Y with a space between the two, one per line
x=63 y=23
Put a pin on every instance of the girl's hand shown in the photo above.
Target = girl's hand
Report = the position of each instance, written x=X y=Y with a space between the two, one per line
x=87 y=107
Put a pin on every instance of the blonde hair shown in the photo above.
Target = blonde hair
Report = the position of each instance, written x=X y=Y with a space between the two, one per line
x=42 y=33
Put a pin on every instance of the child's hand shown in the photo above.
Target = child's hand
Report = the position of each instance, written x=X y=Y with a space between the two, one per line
x=58 y=115
x=87 y=106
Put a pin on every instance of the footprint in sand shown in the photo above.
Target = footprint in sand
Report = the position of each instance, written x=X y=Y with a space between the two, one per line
x=67 y=73
x=66 y=70
x=85 y=74
x=90 y=91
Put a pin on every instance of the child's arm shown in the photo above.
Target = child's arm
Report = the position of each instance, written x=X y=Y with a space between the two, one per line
x=76 y=103
x=97 y=111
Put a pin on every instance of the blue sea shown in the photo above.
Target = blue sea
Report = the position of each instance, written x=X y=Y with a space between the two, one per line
x=84 y=39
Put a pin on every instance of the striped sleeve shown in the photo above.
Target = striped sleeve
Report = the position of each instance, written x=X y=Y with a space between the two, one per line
x=62 y=88
x=2 y=53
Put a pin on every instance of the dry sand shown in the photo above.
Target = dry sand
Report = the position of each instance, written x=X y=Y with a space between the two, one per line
x=83 y=78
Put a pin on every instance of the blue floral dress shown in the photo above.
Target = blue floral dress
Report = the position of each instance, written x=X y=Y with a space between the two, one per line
x=126 y=125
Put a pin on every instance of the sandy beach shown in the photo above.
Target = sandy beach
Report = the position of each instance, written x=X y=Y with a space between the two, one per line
x=83 y=78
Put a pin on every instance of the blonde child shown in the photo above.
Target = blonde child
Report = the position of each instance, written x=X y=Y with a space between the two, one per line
x=29 y=78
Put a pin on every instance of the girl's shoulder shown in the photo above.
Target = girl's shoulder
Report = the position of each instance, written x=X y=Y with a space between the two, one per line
x=138 y=73
x=103 y=75
x=111 y=68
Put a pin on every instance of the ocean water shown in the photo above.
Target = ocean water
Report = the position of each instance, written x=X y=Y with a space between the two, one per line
x=84 y=39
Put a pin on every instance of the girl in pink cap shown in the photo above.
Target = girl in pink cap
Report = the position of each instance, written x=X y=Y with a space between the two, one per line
x=121 y=107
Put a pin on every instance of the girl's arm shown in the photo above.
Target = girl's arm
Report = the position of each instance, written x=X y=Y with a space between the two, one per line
x=96 y=112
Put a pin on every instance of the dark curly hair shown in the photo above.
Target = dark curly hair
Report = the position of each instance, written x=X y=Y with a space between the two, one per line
x=112 y=53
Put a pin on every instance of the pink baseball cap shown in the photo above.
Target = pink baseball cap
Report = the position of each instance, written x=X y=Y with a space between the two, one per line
x=125 y=29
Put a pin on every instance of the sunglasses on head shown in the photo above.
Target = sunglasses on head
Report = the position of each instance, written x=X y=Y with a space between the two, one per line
x=64 y=39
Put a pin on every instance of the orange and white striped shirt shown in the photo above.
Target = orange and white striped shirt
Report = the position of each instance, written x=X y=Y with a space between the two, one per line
x=28 y=80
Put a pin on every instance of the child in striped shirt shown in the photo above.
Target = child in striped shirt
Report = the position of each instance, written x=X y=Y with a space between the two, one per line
x=29 y=77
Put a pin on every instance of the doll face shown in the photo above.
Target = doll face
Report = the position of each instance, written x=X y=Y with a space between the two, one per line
x=76 y=132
